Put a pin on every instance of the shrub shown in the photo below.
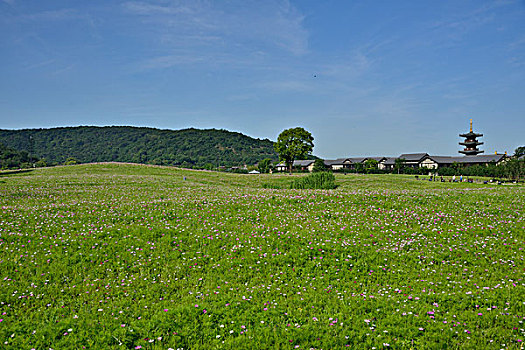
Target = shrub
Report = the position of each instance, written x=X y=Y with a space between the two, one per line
x=319 y=181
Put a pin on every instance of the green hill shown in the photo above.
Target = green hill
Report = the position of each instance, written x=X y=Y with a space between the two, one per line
x=188 y=147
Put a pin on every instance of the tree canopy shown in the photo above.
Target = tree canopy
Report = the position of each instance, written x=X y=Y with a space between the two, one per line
x=399 y=164
x=293 y=144
x=265 y=165
x=13 y=159
x=518 y=152
x=371 y=165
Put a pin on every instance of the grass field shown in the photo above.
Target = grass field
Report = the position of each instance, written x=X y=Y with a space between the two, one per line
x=129 y=256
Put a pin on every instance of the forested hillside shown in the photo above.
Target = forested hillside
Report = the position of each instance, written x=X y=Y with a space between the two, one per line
x=188 y=147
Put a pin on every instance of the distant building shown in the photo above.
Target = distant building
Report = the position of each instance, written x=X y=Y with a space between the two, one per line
x=336 y=164
x=424 y=160
x=435 y=162
x=410 y=160
x=349 y=163
x=297 y=164
x=471 y=143
x=413 y=160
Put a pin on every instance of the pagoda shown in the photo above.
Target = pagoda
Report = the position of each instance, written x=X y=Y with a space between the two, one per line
x=471 y=142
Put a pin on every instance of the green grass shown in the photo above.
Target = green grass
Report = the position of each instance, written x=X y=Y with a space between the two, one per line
x=128 y=256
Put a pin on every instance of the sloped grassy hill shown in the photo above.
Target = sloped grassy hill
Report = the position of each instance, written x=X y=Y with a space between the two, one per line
x=140 y=145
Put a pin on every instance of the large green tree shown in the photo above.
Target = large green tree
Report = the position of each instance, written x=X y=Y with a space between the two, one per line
x=399 y=164
x=293 y=144
x=265 y=165
x=371 y=165
x=518 y=152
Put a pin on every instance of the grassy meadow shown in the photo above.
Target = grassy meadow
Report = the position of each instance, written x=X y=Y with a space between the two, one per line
x=109 y=256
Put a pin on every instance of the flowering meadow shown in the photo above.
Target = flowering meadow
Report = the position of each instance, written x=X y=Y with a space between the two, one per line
x=140 y=257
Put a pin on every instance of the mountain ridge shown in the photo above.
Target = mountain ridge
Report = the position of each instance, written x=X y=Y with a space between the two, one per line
x=188 y=147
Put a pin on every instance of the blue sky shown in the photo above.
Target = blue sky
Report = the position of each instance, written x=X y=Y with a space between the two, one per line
x=364 y=77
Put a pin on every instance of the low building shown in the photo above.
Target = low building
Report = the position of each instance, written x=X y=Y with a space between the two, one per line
x=410 y=160
x=337 y=164
x=281 y=167
x=297 y=164
x=436 y=162
x=387 y=163
x=413 y=160
x=424 y=160
x=349 y=163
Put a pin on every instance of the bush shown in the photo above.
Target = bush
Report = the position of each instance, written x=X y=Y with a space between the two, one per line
x=71 y=161
x=317 y=181
x=239 y=171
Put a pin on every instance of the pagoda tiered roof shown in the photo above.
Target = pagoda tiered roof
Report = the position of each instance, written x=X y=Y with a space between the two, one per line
x=470 y=142
x=471 y=135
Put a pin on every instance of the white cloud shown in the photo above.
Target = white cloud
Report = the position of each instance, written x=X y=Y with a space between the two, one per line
x=461 y=23
x=144 y=8
x=207 y=28
x=168 y=61
x=53 y=15
x=287 y=86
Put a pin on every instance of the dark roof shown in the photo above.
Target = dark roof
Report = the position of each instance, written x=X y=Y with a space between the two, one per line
x=486 y=158
x=298 y=163
x=413 y=157
x=356 y=159
x=338 y=161
x=376 y=158
x=447 y=159
x=479 y=159
x=470 y=134
x=302 y=162
x=390 y=161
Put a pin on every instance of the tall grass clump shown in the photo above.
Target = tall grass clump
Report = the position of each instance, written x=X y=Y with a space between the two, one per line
x=316 y=181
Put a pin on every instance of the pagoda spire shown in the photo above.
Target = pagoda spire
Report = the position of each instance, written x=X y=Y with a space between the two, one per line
x=471 y=142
